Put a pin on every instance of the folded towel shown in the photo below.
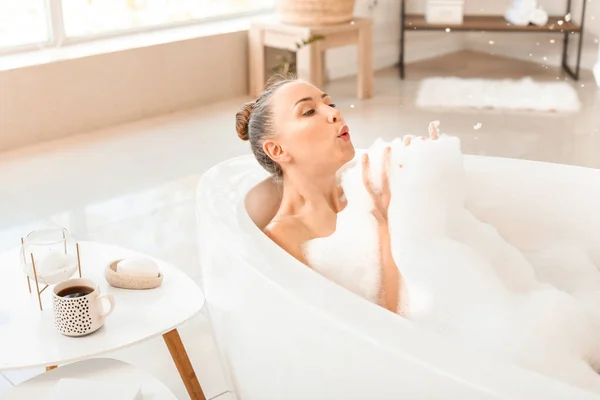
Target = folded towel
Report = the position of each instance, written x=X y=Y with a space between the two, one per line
x=538 y=17
x=517 y=17
x=520 y=11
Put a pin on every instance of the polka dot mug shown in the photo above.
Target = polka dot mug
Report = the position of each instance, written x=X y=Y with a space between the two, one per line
x=78 y=307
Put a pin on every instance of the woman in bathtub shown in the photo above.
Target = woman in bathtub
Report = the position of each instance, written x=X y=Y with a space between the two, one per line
x=300 y=137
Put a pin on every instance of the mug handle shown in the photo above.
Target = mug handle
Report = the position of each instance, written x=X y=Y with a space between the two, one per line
x=111 y=300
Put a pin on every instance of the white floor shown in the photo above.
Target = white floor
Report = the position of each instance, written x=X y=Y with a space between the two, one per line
x=134 y=185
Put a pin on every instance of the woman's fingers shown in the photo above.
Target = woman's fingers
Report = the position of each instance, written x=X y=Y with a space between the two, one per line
x=434 y=134
x=385 y=184
x=433 y=130
x=386 y=158
x=365 y=174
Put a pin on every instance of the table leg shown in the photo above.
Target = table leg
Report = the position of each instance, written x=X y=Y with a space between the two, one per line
x=309 y=62
x=183 y=364
x=50 y=367
x=316 y=65
x=365 y=63
x=256 y=60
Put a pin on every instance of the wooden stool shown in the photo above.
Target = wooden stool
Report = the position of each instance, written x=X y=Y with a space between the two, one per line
x=278 y=35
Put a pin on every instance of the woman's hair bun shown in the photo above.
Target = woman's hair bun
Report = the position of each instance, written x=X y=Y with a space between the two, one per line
x=242 y=118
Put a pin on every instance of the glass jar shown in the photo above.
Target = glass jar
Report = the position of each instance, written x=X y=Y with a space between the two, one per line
x=53 y=253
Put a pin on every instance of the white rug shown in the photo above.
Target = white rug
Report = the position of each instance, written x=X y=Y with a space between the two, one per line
x=524 y=94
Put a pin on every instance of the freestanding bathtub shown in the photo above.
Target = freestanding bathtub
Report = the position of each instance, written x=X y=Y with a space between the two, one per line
x=285 y=332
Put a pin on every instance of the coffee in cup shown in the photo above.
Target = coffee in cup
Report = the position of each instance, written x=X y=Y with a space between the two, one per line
x=73 y=292
x=78 y=307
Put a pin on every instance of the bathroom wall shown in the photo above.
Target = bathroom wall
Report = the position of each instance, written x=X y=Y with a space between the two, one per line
x=76 y=95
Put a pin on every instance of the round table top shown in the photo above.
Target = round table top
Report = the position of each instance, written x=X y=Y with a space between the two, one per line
x=96 y=369
x=28 y=337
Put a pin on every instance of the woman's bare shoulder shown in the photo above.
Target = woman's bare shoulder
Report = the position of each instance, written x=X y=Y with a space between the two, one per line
x=262 y=202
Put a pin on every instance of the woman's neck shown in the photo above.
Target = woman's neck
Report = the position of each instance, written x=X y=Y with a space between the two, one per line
x=302 y=193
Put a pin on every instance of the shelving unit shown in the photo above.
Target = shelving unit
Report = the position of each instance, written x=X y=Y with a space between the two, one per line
x=496 y=23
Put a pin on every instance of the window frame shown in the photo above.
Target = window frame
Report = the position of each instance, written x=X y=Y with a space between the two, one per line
x=57 y=37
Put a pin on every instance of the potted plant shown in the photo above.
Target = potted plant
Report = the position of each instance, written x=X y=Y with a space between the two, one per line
x=287 y=62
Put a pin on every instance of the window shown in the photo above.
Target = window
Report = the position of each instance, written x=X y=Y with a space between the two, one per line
x=23 y=22
x=53 y=22
x=93 y=17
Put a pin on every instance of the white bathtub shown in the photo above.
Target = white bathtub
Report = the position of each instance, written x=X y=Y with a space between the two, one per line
x=286 y=333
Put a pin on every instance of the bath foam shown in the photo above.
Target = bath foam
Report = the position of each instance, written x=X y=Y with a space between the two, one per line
x=564 y=252
x=459 y=223
x=354 y=267
x=338 y=258
x=456 y=285
x=509 y=263
x=575 y=270
x=542 y=328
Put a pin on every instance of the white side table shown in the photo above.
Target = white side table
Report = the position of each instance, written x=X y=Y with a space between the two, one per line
x=97 y=369
x=272 y=33
x=29 y=338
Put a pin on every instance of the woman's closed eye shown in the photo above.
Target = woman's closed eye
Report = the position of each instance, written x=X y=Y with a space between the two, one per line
x=310 y=112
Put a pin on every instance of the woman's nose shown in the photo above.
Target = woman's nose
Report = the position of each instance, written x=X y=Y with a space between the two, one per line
x=334 y=116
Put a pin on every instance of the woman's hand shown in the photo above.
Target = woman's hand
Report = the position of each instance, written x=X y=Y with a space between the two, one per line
x=389 y=293
x=381 y=199
x=434 y=134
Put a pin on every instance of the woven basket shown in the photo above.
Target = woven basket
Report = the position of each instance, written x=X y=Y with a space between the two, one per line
x=315 y=12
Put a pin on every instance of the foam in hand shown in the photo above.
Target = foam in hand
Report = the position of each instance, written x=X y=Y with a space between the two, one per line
x=462 y=279
x=541 y=327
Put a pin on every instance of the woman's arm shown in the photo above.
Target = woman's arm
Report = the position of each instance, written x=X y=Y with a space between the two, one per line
x=391 y=278
x=389 y=293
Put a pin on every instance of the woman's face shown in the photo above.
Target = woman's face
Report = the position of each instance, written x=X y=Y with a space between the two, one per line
x=310 y=133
